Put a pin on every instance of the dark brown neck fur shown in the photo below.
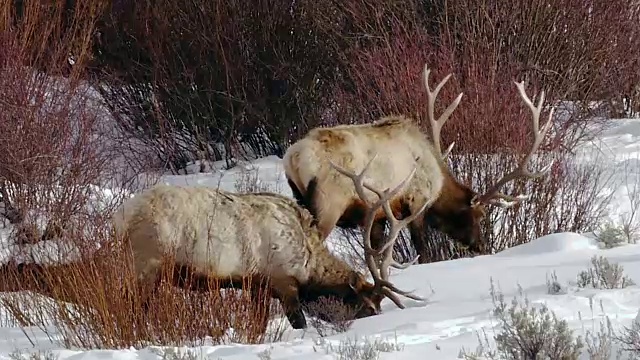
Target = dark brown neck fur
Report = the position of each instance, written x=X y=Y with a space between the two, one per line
x=452 y=195
x=330 y=277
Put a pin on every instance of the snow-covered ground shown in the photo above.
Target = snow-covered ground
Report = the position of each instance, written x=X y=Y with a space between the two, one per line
x=459 y=303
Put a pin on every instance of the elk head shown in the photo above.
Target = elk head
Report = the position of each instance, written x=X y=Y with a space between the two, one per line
x=372 y=295
x=459 y=210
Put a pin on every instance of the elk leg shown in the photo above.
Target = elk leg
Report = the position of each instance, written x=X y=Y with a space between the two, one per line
x=337 y=213
x=377 y=233
x=327 y=223
x=416 y=230
x=147 y=291
x=297 y=194
x=147 y=284
x=286 y=291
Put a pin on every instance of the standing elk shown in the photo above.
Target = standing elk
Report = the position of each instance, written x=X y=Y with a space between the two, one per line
x=451 y=207
x=227 y=238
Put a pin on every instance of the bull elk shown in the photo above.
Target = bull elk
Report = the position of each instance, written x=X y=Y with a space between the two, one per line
x=214 y=236
x=451 y=207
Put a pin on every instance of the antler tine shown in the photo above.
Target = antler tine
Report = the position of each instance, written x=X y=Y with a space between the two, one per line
x=380 y=275
x=382 y=279
x=394 y=224
x=358 y=179
x=383 y=200
x=360 y=185
x=446 y=152
x=436 y=125
x=492 y=195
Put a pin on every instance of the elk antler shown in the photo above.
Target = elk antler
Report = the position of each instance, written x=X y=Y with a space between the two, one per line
x=492 y=195
x=436 y=125
x=381 y=275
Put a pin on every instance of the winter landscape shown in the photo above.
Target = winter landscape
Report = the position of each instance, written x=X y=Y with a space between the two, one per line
x=212 y=94
x=458 y=313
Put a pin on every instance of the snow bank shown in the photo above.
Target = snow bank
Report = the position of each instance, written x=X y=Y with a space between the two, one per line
x=559 y=242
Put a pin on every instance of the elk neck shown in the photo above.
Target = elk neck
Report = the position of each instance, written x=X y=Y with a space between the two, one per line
x=453 y=195
x=329 y=276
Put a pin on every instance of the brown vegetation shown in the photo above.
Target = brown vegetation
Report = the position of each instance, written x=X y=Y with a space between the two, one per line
x=55 y=156
x=94 y=304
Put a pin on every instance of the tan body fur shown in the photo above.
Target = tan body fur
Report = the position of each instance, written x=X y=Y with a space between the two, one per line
x=351 y=147
x=214 y=234
x=400 y=145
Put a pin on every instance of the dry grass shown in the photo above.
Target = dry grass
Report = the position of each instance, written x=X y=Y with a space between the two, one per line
x=95 y=304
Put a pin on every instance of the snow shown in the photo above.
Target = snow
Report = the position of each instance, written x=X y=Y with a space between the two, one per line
x=558 y=242
x=459 y=304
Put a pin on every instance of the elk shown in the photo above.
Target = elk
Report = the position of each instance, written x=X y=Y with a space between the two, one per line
x=215 y=236
x=451 y=207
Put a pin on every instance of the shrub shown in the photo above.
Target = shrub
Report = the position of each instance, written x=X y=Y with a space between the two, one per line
x=604 y=275
x=528 y=332
x=338 y=316
x=531 y=333
x=628 y=222
x=248 y=180
x=219 y=81
x=349 y=348
x=599 y=343
x=55 y=156
x=93 y=304
x=611 y=235
x=530 y=40
x=39 y=355
x=553 y=286
x=629 y=337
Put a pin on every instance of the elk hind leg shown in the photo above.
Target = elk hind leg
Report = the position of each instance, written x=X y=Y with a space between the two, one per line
x=377 y=233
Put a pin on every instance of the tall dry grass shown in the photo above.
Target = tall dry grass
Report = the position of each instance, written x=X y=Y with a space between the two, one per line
x=93 y=302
